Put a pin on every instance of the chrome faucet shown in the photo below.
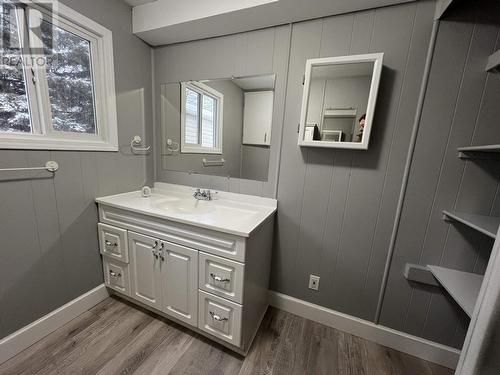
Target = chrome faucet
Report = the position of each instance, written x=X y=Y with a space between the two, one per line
x=203 y=195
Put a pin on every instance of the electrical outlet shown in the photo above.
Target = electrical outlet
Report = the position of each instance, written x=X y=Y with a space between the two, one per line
x=313 y=282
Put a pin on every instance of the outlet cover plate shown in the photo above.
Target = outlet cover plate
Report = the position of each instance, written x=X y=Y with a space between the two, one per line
x=313 y=282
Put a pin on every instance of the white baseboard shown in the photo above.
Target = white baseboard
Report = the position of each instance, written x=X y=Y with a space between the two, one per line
x=33 y=332
x=403 y=342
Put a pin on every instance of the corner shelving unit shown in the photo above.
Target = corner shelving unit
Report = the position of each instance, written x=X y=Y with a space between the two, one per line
x=475 y=294
x=464 y=287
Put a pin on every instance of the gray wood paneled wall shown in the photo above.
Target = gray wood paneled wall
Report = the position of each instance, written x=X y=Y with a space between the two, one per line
x=49 y=251
x=461 y=108
x=336 y=207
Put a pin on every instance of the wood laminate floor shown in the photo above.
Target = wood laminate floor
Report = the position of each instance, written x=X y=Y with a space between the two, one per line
x=116 y=337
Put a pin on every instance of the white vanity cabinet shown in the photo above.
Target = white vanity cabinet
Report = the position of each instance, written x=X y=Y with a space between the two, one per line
x=214 y=282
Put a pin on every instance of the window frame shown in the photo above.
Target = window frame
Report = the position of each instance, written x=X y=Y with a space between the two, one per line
x=202 y=89
x=43 y=136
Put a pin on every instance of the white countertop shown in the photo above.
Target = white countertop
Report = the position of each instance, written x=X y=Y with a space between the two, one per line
x=237 y=214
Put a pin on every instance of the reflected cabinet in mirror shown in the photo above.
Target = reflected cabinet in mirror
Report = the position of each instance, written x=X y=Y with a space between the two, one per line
x=339 y=101
x=218 y=127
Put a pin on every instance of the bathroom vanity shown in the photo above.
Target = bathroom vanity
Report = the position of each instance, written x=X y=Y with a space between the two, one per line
x=204 y=264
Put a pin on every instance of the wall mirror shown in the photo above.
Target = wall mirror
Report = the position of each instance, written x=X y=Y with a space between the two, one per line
x=218 y=126
x=339 y=99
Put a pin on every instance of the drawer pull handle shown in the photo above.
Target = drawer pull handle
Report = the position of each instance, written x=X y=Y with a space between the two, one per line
x=154 y=251
x=219 y=279
x=217 y=317
x=162 y=256
x=114 y=274
x=108 y=244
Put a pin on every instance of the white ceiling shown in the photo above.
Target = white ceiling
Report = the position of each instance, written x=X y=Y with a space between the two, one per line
x=173 y=21
x=264 y=82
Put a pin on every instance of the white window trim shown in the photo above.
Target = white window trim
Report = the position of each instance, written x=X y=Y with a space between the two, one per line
x=187 y=148
x=104 y=93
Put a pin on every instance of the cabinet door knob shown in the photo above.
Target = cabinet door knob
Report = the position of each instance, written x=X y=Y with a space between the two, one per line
x=114 y=274
x=108 y=244
x=217 y=317
x=219 y=279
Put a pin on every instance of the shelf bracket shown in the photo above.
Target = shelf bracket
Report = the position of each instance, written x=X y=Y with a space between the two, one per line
x=420 y=274
x=448 y=219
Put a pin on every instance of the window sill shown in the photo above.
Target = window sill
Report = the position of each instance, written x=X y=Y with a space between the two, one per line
x=199 y=150
x=46 y=143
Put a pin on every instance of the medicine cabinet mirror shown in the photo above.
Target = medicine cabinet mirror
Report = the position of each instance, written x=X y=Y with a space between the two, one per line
x=218 y=126
x=338 y=101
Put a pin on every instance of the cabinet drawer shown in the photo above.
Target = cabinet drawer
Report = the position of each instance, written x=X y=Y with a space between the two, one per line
x=222 y=277
x=113 y=242
x=116 y=275
x=219 y=317
x=209 y=241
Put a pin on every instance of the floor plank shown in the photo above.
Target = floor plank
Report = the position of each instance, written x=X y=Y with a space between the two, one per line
x=117 y=337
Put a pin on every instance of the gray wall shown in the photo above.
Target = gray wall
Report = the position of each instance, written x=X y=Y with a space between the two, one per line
x=49 y=251
x=246 y=54
x=232 y=134
x=336 y=207
x=461 y=108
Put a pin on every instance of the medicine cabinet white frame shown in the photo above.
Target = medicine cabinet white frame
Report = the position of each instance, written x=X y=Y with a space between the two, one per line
x=377 y=59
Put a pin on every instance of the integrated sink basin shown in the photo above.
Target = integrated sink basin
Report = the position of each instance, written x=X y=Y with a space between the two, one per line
x=228 y=212
x=188 y=207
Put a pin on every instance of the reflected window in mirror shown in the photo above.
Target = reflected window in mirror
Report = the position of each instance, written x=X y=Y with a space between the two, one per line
x=221 y=126
x=339 y=101
x=201 y=119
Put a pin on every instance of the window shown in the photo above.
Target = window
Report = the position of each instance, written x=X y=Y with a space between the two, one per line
x=56 y=81
x=201 y=119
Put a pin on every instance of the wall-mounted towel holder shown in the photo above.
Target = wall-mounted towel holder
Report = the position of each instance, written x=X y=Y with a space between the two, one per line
x=50 y=166
x=213 y=163
x=135 y=143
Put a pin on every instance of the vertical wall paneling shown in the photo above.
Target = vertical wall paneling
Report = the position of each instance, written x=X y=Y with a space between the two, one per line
x=305 y=43
x=49 y=250
x=337 y=206
x=454 y=115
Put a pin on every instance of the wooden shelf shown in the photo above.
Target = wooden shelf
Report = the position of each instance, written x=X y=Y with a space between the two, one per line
x=463 y=287
x=479 y=152
x=487 y=225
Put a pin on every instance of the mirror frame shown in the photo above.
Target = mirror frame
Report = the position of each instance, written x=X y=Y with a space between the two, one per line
x=377 y=59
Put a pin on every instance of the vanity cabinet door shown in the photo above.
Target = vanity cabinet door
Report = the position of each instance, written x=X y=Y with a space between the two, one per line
x=145 y=269
x=179 y=275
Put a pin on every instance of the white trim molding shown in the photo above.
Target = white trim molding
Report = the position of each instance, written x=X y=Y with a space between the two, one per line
x=33 y=332
x=403 y=342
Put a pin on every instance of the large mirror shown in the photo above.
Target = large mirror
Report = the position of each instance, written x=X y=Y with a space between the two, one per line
x=339 y=101
x=218 y=127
